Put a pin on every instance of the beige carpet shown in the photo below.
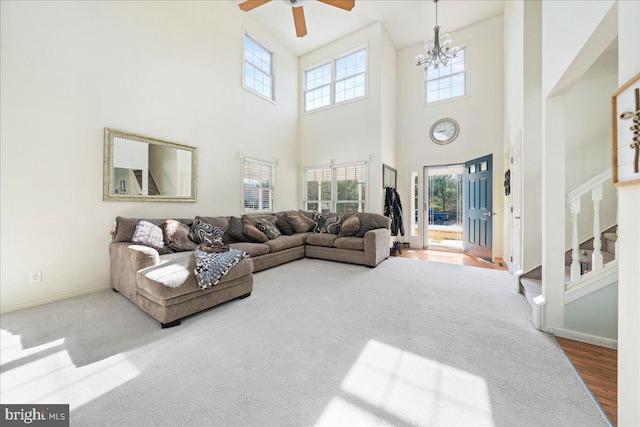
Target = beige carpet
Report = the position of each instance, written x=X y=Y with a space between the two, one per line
x=317 y=343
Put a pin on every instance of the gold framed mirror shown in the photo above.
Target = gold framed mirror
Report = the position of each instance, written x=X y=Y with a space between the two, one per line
x=142 y=169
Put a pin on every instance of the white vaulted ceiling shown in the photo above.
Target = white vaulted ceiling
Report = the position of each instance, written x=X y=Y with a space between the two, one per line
x=407 y=21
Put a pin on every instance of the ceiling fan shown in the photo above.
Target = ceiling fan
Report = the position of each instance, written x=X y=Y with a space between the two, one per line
x=298 y=12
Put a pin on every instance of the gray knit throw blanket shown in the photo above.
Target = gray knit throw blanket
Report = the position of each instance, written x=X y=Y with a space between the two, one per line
x=211 y=267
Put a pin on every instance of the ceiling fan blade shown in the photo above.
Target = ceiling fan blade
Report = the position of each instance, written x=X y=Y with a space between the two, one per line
x=298 y=20
x=252 y=4
x=342 y=4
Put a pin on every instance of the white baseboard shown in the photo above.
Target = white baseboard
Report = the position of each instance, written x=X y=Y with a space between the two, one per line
x=52 y=299
x=582 y=337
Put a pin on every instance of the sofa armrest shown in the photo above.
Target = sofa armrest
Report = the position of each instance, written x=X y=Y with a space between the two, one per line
x=126 y=259
x=376 y=246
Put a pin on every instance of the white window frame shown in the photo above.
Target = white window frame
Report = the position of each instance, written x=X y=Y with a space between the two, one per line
x=271 y=74
x=334 y=80
x=333 y=203
x=246 y=186
x=427 y=80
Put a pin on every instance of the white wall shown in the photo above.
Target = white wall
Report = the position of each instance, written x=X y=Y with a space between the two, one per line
x=163 y=164
x=169 y=70
x=388 y=104
x=595 y=314
x=479 y=113
x=629 y=243
x=588 y=141
x=351 y=131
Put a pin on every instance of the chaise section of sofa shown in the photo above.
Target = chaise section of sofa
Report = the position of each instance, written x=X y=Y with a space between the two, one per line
x=164 y=286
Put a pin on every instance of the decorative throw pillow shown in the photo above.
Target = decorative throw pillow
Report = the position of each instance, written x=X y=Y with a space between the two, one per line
x=367 y=224
x=301 y=223
x=332 y=224
x=148 y=234
x=236 y=229
x=268 y=228
x=350 y=226
x=176 y=236
x=252 y=232
x=320 y=219
x=203 y=232
x=284 y=226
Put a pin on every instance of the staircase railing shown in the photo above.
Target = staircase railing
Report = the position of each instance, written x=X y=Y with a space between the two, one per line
x=595 y=186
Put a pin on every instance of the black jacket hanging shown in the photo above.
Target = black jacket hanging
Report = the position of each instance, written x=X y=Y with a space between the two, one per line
x=393 y=209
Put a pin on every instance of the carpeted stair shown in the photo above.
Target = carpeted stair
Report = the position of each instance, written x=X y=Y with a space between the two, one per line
x=531 y=283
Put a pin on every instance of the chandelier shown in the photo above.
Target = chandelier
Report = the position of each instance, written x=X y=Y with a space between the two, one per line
x=438 y=51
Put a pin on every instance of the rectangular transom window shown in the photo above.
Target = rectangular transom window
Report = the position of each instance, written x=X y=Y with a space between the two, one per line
x=340 y=80
x=258 y=68
x=446 y=82
x=259 y=186
x=340 y=188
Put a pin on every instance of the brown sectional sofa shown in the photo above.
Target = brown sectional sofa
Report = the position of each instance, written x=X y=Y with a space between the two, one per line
x=165 y=287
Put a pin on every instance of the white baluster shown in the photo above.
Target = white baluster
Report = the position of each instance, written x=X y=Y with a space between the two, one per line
x=575 y=255
x=596 y=258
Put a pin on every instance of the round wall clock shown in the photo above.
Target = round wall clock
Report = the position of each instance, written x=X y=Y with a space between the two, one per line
x=444 y=131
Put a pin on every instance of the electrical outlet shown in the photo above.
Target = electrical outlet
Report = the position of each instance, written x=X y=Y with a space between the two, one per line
x=35 y=276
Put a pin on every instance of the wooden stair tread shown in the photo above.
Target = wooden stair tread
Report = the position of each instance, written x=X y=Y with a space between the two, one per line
x=611 y=236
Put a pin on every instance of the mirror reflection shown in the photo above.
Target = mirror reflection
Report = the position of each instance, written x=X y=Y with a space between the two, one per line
x=139 y=168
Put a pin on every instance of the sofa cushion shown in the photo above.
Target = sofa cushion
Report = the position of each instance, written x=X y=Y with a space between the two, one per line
x=252 y=233
x=222 y=222
x=148 y=234
x=319 y=219
x=125 y=227
x=283 y=225
x=352 y=243
x=236 y=230
x=321 y=239
x=203 y=232
x=332 y=224
x=367 y=224
x=174 y=275
x=253 y=249
x=284 y=242
x=301 y=223
x=268 y=228
x=381 y=220
x=350 y=226
x=176 y=236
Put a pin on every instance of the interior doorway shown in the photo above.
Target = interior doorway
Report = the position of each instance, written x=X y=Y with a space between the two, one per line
x=443 y=210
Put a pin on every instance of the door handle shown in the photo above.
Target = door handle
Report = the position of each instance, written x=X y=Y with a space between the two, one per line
x=489 y=213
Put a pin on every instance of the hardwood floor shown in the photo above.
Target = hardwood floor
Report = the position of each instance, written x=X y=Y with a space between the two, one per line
x=598 y=367
x=452 y=258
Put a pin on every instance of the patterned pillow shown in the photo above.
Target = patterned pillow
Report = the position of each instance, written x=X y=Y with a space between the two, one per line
x=320 y=219
x=251 y=231
x=236 y=229
x=148 y=234
x=367 y=224
x=268 y=228
x=176 y=236
x=203 y=232
x=284 y=226
x=350 y=226
x=301 y=223
x=332 y=224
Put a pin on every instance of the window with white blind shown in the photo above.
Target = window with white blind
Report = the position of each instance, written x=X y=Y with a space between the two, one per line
x=258 y=68
x=259 y=186
x=340 y=80
x=339 y=188
x=446 y=82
